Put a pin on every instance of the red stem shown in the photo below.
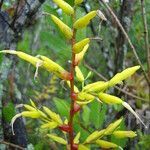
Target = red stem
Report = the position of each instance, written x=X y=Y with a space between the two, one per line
x=71 y=136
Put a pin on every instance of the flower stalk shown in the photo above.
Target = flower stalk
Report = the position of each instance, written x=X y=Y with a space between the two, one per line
x=72 y=92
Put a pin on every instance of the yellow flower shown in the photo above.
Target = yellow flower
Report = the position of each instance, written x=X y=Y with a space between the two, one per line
x=51 y=66
x=49 y=125
x=64 y=6
x=80 y=55
x=78 y=47
x=96 y=87
x=63 y=27
x=109 y=99
x=57 y=139
x=82 y=96
x=119 y=77
x=85 y=20
x=113 y=126
x=77 y=2
x=94 y=136
x=79 y=74
x=24 y=56
x=53 y=115
x=124 y=134
x=106 y=144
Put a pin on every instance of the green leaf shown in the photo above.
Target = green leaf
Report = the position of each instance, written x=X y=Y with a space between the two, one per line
x=97 y=114
x=86 y=115
x=62 y=107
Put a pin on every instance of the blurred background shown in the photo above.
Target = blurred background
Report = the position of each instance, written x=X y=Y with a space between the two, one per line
x=24 y=27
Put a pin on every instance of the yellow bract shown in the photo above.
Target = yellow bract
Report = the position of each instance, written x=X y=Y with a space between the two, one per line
x=77 y=2
x=31 y=114
x=94 y=136
x=79 y=74
x=80 y=55
x=64 y=6
x=109 y=99
x=82 y=147
x=45 y=63
x=113 y=126
x=78 y=47
x=96 y=87
x=55 y=68
x=63 y=27
x=123 y=75
x=57 y=139
x=76 y=139
x=49 y=125
x=106 y=144
x=24 y=56
x=125 y=134
x=28 y=107
x=85 y=20
x=53 y=115
x=82 y=96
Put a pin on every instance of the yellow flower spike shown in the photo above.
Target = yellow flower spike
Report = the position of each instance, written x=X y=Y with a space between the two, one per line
x=77 y=2
x=96 y=87
x=127 y=106
x=124 y=134
x=82 y=96
x=94 y=136
x=80 y=55
x=85 y=20
x=119 y=77
x=49 y=125
x=82 y=147
x=63 y=27
x=77 y=137
x=28 y=107
x=24 y=56
x=75 y=88
x=31 y=114
x=109 y=99
x=78 y=47
x=53 y=115
x=106 y=144
x=79 y=74
x=57 y=139
x=113 y=126
x=51 y=66
x=64 y=6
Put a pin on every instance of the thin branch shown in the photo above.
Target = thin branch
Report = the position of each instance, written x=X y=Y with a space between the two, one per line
x=11 y=144
x=145 y=33
x=118 y=88
x=146 y=36
x=128 y=39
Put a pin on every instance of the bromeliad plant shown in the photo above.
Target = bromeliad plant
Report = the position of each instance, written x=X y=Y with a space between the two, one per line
x=94 y=91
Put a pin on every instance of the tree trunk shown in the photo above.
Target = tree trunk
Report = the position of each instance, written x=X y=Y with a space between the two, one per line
x=11 y=30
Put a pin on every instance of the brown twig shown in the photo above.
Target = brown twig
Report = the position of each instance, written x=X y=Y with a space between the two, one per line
x=146 y=36
x=128 y=39
x=105 y=79
x=11 y=144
